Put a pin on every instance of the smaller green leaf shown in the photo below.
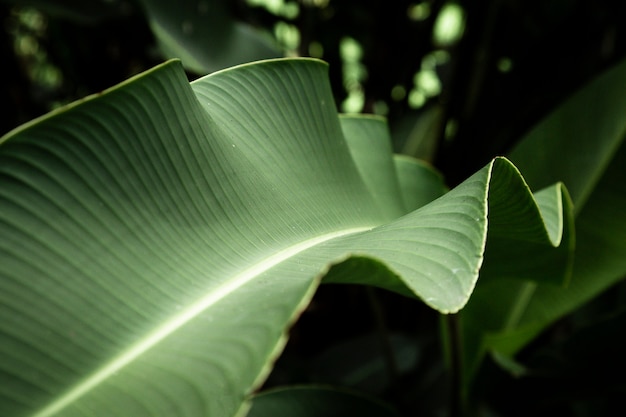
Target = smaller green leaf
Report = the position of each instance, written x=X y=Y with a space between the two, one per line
x=581 y=369
x=576 y=142
x=315 y=402
x=204 y=34
x=360 y=362
x=507 y=362
x=370 y=146
x=419 y=134
x=399 y=183
x=419 y=181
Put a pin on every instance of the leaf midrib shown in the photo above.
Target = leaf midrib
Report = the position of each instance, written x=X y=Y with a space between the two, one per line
x=188 y=314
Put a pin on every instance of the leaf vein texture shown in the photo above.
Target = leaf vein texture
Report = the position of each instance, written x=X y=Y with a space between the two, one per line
x=185 y=316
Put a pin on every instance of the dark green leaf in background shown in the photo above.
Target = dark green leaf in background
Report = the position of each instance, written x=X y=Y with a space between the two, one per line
x=581 y=144
x=204 y=34
x=317 y=401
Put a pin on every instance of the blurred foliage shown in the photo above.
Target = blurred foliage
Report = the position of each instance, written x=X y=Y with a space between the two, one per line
x=485 y=70
x=55 y=57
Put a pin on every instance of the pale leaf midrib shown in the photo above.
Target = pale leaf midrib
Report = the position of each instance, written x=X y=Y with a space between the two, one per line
x=183 y=317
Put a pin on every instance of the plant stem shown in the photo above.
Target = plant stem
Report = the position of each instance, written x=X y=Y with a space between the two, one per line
x=383 y=333
x=455 y=354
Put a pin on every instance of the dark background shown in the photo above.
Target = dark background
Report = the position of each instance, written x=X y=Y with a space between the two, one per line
x=554 y=47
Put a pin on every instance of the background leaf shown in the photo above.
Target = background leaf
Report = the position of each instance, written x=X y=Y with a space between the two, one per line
x=581 y=144
x=204 y=34
x=317 y=401
x=360 y=363
x=577 y=142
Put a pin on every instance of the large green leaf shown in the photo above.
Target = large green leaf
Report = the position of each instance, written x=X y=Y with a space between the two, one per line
x=581 y=144
x=159 y=238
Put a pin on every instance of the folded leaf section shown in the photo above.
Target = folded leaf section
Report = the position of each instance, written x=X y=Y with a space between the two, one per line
x=494 y=318
x=438 y=250
x=420 y=183
x=369 y=142
x=521 y=228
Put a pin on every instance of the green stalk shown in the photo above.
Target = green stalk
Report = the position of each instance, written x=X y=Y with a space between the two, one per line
x=455 y=357
x=383 y=335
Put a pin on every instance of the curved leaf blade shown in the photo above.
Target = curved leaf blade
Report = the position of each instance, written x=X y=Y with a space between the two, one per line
x=162 y=237
x=369 y=142
x=515 y=266
x=419 y=181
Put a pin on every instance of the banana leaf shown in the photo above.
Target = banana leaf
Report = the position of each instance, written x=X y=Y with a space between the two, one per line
x=159 y=238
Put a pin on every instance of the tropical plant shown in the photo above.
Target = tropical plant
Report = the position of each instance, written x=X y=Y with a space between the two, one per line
x=161 y=240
